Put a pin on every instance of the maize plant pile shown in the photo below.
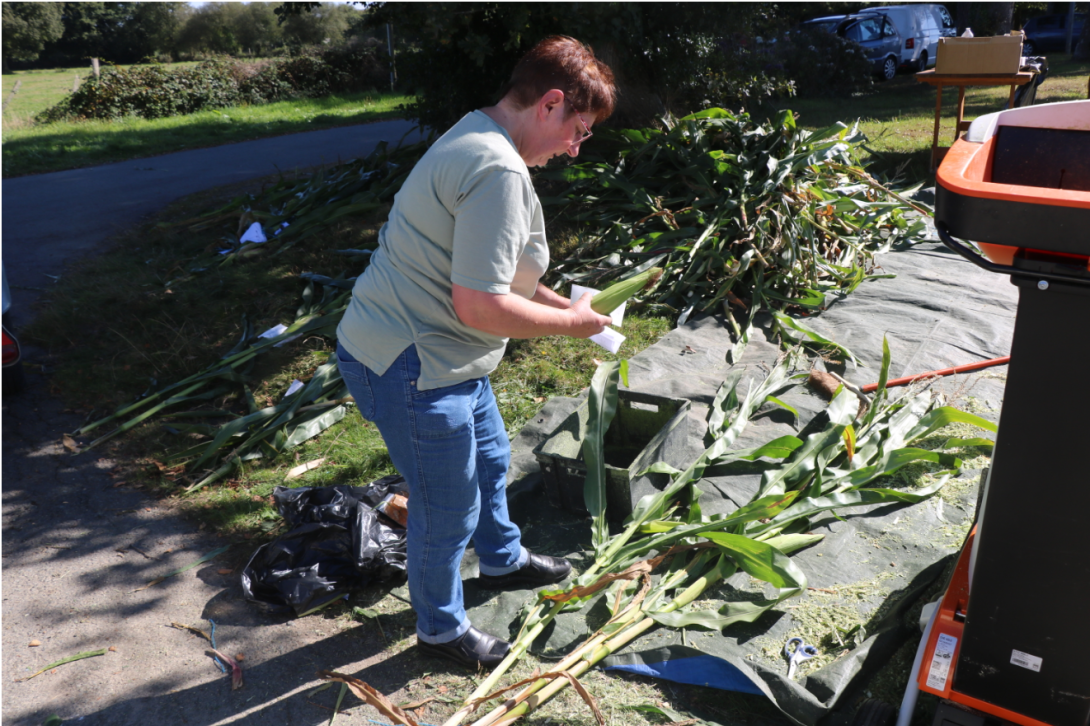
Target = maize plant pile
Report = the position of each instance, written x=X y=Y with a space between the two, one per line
x=740 y=216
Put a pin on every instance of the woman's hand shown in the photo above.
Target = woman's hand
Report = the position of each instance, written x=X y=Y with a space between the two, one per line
x=589 y=322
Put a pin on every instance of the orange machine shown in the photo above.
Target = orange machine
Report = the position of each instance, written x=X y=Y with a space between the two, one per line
x=1010 y=642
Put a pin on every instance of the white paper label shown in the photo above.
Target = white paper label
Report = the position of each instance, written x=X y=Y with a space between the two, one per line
x=940 y=662
x=609 y=339
x=1026 y=660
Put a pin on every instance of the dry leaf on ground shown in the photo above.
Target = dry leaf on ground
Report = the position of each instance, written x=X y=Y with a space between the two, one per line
x=298 y=471
x=369 y=695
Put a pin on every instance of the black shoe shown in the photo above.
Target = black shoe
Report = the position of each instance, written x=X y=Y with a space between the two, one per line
x=538 y=570
x=473 y=648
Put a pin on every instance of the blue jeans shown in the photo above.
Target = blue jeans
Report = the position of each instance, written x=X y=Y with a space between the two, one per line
x=451 y=446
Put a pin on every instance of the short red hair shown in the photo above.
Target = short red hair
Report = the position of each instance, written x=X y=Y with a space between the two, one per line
x=568 y=65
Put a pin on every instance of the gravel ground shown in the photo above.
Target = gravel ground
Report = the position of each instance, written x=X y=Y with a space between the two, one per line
x=78 y=545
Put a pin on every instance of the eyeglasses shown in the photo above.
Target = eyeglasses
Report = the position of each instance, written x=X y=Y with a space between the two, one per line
x=587 y=133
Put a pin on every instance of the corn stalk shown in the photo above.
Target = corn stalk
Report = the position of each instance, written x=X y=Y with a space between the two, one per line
x=742 y=216
x=822 y=473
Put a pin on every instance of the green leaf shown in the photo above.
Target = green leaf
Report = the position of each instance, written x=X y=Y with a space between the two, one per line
x=808 y=507
x=62 y=661
x=311 y=428
x=211 y=555
x=788 y=543
x=880 y=393
x=945 y=416
x=794 y=330
x=760 y=560
x=817 y=447
x=956 y=443
x=602 y=403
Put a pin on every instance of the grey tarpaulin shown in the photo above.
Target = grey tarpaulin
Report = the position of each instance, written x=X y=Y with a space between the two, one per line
x=939 y=311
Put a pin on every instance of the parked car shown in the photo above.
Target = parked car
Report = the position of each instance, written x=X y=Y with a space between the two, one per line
x=920 y=25
x=13 y=360
x=1049 y=32
x=874 y=31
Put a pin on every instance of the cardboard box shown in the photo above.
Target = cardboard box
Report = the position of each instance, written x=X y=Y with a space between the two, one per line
x=997 y=55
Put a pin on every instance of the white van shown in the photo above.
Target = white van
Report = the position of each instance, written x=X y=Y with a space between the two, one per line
x=920 y=25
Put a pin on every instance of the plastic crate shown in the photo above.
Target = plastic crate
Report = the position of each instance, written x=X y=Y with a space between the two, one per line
x=643 y=429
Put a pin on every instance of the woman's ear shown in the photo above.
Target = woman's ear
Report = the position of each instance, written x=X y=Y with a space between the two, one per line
x=550 y=101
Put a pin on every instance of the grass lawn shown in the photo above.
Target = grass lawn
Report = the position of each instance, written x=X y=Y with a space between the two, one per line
x=898 y=116
x=29 y=148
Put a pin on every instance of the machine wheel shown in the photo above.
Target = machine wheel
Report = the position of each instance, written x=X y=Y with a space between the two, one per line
x=1028 y=48
x=922 y=64
x=872 y=712
x=889 y=68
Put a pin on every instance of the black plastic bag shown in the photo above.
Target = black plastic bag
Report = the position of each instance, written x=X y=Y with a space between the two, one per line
x=338 y=543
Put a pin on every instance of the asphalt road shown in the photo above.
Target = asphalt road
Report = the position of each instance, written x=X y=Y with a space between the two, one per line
x=51 y=219
x=78 y=545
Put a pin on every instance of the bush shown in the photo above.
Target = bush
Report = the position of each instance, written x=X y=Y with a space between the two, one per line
x=337 y=70
x=152 y=91
x=156 y=91
x=824 y=64
x=733 y=76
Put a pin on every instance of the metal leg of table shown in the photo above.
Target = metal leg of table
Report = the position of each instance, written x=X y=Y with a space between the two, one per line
x=961 y=112
x=935 y=134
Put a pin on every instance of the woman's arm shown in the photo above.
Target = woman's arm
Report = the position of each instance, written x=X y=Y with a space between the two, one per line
x=513 y=316
x=546 y=296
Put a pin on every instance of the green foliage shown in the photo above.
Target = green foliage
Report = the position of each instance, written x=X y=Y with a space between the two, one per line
x=741 y=215
x=153 y=91
x=723 y=89
x=157 y=91
x=326 y=23
x=118 y=32
x=466 y=51
x=28 y=27
x=824 y=64
x=336 y=70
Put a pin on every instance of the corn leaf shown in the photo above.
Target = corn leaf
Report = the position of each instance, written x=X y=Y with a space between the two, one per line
x=602 y=402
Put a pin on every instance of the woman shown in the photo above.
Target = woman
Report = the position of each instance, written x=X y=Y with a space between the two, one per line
x=457 y=274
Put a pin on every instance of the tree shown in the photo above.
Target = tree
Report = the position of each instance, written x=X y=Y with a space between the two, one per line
x=466 y=50
x=149 y=29
x=211 y=28
x=256 y=28
x=1082 y=47
x=91 y=30
x=325 y=24
x=28 y=28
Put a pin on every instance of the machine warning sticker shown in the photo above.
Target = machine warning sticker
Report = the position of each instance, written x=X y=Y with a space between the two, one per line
x=940 y=662
x=1026 y=660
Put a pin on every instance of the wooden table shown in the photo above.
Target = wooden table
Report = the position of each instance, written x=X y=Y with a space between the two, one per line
x=961 y=81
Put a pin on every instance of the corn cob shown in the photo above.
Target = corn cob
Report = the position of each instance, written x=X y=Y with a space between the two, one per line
x=611 y=298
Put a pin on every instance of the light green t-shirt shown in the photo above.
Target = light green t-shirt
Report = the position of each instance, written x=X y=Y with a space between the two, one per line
x=467 y=214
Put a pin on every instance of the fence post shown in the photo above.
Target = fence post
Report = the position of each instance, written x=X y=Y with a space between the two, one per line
x=75 y=84
x=390 y=47
x=11 y=96
x=94 y=66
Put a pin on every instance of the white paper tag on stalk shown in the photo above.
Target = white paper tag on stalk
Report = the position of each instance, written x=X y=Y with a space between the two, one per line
x=295 y=386
x=577 y=292
x=254 y=234
x=609 y=339
x=276 y=330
